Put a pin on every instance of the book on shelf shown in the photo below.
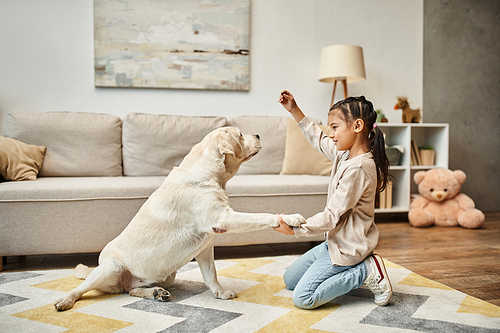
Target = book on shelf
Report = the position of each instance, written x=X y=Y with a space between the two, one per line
x=413 y=160
x=385 y=197
x=415 y=153
x=388 y=193
x=381 y=199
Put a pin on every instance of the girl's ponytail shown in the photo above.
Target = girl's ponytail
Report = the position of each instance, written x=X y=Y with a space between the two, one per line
x=377 y=147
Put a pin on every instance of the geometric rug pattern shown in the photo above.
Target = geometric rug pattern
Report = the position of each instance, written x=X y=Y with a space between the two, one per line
x=263 y=305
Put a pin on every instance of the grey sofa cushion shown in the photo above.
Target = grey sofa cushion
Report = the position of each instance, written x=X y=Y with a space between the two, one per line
x=78 y=144
x=153 y=144
x=62 y=214
x=272 y=132
x=68 y=214
x=47 y=189
x=273 y=185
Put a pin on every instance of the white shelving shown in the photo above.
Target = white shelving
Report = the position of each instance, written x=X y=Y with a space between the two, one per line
x=435 y=135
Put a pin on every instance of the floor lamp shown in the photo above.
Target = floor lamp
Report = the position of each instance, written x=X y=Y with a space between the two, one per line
x=344 y=63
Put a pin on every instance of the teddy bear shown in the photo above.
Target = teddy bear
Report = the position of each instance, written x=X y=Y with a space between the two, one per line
x=441 y=203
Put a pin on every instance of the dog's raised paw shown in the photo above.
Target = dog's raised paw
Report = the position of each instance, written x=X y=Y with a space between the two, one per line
x=293 y=220
x=161 y=294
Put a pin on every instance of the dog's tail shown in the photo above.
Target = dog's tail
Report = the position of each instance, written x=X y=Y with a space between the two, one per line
x=82 y=271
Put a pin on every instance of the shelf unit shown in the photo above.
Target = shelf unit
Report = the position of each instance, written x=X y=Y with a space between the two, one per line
x=435 y=135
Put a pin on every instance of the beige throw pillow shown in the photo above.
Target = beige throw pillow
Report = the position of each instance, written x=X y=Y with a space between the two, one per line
x=18 y=160
x=300 y=157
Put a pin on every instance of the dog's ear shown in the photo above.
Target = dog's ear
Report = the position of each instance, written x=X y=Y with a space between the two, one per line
x=225 y=148
x=231 y=145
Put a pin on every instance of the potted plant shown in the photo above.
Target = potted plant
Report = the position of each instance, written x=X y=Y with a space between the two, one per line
x=381 y=116
x=427 y=155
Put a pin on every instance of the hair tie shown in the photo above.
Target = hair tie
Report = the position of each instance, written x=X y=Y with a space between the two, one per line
x=375 y=125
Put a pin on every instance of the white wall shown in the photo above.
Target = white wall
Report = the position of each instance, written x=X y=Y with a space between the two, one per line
x=46 y=59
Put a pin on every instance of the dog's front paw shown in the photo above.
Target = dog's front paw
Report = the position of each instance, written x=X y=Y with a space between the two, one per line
x=225 y=294
x=275 y=223
x=293 y=220
x=65 y=303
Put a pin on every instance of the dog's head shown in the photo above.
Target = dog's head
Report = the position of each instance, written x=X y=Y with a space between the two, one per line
x=235 y=146
x=221 y=153
x=231 y=142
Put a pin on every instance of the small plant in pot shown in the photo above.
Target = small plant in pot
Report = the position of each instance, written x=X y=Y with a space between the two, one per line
x=427 y=155
x=381 y=116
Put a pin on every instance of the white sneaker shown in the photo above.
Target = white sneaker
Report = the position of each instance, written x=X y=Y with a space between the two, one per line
x=377 y=279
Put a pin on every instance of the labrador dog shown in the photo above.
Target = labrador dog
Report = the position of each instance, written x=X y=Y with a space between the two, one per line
x=177 y=223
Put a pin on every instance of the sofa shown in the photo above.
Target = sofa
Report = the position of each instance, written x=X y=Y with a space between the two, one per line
x=74 y=180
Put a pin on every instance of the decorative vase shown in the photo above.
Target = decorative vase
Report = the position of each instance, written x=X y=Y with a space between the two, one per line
x=427 y=156
x=393 y=155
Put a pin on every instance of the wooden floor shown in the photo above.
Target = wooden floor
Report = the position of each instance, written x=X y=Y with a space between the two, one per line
x=466 y=260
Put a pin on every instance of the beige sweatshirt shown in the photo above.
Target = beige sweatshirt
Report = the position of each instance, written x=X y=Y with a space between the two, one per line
x=348 y=218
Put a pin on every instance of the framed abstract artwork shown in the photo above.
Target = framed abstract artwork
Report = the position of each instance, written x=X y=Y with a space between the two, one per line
x=174 y=44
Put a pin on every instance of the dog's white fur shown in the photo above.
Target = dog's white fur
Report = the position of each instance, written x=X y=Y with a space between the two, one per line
x=177 y=223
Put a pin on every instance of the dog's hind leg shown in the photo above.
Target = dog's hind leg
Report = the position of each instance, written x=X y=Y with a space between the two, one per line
x=81 y=271
x=158 y=293
x=104 y=278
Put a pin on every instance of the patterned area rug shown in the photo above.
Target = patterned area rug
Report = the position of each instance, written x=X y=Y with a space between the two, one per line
x=263 y=305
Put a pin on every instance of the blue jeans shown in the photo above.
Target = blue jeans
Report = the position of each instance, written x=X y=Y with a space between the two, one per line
x=315 y=281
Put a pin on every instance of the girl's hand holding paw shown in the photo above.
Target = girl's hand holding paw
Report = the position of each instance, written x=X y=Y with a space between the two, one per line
x=284 y=228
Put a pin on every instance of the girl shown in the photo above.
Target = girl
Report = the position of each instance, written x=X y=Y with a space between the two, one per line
x=345 y=261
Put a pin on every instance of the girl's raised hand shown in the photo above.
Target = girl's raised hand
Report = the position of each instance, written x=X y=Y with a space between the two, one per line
x=286 y=99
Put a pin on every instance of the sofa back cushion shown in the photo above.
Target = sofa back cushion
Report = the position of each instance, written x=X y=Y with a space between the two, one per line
x=153 y=144
x=272 y=132
x=78 y=144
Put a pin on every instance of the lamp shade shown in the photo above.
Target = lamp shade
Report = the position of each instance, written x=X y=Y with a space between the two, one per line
x=342 y=62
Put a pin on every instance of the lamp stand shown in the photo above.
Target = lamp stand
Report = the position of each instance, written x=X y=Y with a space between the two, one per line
x=344 y=83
